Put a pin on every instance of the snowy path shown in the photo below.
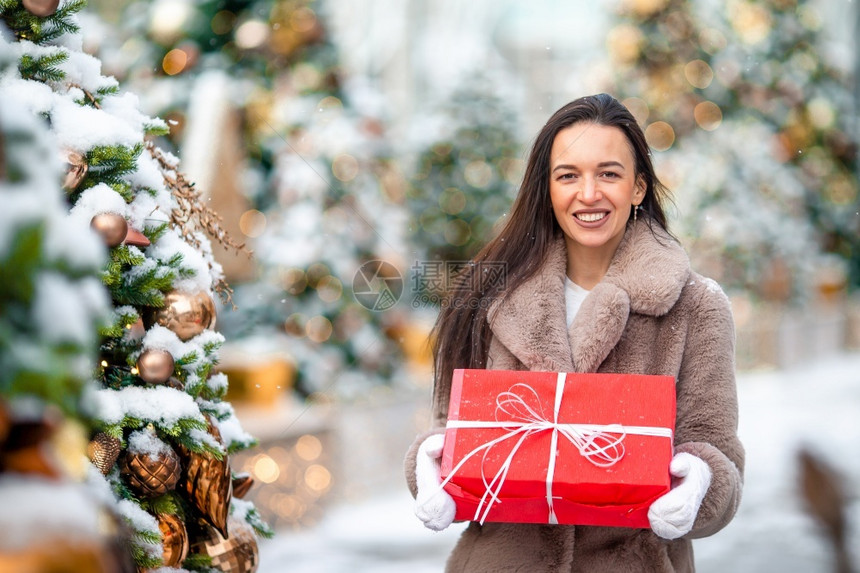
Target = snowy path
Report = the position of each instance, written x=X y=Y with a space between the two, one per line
x=815 y=405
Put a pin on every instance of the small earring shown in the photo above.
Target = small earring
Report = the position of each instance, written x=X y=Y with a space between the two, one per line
x=635 y=211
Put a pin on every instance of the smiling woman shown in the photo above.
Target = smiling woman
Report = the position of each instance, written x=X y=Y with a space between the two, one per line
x=594 y=283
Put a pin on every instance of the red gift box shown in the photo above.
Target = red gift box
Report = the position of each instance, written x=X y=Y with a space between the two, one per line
x=550 y=447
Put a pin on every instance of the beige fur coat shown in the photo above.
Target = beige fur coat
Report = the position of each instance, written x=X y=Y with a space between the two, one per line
x=649 y=315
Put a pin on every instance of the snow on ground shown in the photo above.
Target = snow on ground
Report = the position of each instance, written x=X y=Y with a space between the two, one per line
x=815 y=405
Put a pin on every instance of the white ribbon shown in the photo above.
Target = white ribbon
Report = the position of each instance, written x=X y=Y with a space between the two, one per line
x=602 y=445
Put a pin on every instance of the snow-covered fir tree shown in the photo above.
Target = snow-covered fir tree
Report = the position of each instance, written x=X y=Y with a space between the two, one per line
x=51 y=306
x=745 y=93
x=162 y=433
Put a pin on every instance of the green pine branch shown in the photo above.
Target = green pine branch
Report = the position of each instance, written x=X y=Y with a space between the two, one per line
x=261 y=528
x=111 y=164
x=198 y=562
x=166 y=504
x=44 y=68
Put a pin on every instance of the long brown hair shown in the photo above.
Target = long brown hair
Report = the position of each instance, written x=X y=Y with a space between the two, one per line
x=462 y=332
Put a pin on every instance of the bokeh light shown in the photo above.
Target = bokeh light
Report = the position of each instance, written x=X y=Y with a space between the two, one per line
x=309 y=447
x=452 y=200
x=329 y=288
x=252 y=34
x=708 y=115
x=345 y=167
x=266 y=469
x=318 y=329
x=660 y=135
x=752 y=22
x=252 y=223
x=624 y=43
x=174 y=62
x=295 y=324
x=478 y=174
x=223 y=22
x=699 y=74
x=318 y=478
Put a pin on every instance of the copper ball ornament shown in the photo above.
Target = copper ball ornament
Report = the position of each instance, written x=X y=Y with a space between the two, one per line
x=112 y=227
x=237 y=553
x=174 y=538
x=155 y=366
x=186 y=314
x=41 y=8
x=151 y=475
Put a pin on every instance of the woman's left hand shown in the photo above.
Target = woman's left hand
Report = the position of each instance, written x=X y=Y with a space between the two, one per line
x=673 y=514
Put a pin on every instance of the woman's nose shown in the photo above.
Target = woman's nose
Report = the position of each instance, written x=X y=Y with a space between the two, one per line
x=589 y=192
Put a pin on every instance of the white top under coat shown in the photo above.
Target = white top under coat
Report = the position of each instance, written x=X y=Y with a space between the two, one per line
x=573 y=297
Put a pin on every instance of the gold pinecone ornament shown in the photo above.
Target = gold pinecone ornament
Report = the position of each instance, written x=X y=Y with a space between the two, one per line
x=151 y=475
x=103 y=451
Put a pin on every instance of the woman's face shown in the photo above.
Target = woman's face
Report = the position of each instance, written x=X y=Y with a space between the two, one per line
x=593 y=185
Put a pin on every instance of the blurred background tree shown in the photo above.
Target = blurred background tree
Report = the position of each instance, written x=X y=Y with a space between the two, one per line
x=756 y=121
x=466 y=174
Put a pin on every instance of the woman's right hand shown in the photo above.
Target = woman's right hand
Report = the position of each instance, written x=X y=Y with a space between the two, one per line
x=433 y=505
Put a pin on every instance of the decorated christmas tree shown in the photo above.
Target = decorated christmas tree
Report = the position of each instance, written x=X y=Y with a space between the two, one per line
x=755 y=121
x=161 y=432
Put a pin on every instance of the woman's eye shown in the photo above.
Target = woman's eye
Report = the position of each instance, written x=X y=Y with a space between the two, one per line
x=564 y=176
x=610 y=174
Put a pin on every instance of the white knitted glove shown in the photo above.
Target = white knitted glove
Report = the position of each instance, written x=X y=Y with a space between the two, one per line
x=433 y=505
x=672 y=515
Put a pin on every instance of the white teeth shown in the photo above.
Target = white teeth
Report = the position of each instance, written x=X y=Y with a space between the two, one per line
x=590 y=217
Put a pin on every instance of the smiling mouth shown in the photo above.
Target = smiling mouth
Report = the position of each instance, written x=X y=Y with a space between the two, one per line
x=590 y=217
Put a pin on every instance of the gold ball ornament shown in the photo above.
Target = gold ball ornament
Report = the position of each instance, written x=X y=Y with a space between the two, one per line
x=237 y=553
x=103 y=451
x=41 y=8
x=112 y=227
x=174 y=537
x=155 y=366
x=151 y=475
x=186 y=314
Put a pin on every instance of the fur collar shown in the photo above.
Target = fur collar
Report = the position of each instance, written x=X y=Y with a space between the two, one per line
x=646 y=276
